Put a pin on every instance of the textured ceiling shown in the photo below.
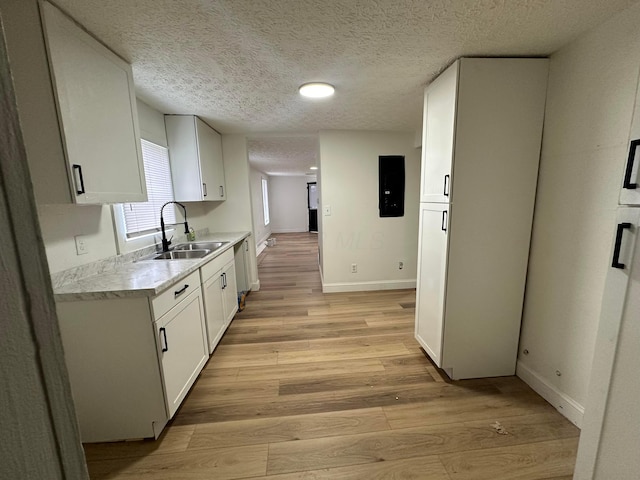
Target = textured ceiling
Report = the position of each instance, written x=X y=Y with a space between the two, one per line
x=284 y=154
x=238 y=63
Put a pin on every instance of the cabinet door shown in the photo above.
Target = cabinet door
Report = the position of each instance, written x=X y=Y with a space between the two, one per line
x=438 y=137
x=98 y=114
x=214 y=309
x=230 y=292
x=431 y=287
x=241 y=252
x=182 y=348
x=630 y=191
x=247 y=265
x=611 y=424
x=211 y=168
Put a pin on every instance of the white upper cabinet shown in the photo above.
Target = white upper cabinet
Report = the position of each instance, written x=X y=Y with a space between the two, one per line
x=195 y=150
x=97 y=113
x=630 y=191
x=438 y=129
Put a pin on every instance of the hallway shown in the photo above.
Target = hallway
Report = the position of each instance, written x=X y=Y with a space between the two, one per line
x=306 y=385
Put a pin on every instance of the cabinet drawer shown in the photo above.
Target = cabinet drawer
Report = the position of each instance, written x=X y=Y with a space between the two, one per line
x=215 y=265
x=171 y=296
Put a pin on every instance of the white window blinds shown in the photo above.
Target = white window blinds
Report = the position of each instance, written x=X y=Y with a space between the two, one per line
x=144 y=217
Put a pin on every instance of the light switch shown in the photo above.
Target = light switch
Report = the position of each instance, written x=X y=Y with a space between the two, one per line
x=326 y=210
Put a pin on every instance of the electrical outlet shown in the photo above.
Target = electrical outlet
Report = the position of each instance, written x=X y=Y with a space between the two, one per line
x=81 y=245
x=326 y=210
x=354 y=268
x=400 y=265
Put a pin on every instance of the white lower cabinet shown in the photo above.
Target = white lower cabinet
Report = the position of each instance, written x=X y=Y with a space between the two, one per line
x=182 y=348
x=611 y=424
x=213 y=301
x=432 y=258
x=230 y=291
x=131 y=361
x=220 y=295
x=243 y=272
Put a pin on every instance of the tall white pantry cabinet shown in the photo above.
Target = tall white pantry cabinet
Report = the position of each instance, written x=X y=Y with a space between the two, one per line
x=482 y=130
x=610 y=435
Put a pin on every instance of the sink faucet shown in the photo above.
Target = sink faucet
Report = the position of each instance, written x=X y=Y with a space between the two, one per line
x=165 y=242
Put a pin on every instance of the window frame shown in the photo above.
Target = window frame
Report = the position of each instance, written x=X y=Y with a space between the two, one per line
x=265 y=202
x=127 y=242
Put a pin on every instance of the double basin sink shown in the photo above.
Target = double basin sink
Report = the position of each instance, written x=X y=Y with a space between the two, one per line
x=191 y=250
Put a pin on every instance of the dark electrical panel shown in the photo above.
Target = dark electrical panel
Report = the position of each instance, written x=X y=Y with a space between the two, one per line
x=391 y=185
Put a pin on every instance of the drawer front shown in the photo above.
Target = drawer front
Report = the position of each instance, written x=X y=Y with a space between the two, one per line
x=164 y=302
x=215 y=265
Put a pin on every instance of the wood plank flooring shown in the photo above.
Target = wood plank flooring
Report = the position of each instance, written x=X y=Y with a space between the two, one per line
x=306 y=385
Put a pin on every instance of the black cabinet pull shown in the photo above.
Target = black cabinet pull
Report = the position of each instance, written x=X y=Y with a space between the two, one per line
x=444 y=221
x=78 y=168
x=246 y=245
x=446 y=185
x=222 y=280
x=204 y=189
x=616 y=249
x=627 y=174
x=221 y=191
x=177 y=293
x=163 y=332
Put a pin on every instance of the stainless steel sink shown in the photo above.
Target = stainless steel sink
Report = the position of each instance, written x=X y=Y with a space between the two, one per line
x=182 y=254
x=191 y=246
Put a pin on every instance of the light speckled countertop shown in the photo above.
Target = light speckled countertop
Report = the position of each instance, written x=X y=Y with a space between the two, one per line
x=144 y=278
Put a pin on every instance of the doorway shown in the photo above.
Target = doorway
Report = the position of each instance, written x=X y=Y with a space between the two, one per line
x=312 y=205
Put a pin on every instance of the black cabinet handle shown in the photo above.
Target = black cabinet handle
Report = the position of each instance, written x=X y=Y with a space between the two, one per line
x=246 y=245
x=627 y=174
x=177 y=293
x=222 y=280
x=616 y=249
x=444 y=221
x=204 y=189
x=163 y=332
x=78 y=168
x=221 y=191
x=446 y=185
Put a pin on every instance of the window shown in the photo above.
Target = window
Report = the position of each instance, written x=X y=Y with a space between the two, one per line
x=144 y=218
x=265 y=201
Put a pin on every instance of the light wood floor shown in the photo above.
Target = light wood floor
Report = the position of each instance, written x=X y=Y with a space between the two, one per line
x=312 y=386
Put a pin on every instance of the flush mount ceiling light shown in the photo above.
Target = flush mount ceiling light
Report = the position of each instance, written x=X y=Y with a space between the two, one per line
x=313 y=168
x=316 y=90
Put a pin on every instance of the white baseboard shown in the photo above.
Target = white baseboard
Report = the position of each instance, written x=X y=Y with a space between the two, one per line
x=260 y=247
x=566 y=405
x=289 y=230
x=255 y=286
x=367 y=286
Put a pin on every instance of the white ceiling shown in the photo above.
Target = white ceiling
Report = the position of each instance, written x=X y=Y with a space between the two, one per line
x=238 y=63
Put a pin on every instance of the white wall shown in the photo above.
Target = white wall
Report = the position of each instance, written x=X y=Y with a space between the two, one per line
x=235 y=213
x=591 y=95
x=354 y=232
x=39 y=437
x=151 y=123
x=288 y=202
x=262 y=231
